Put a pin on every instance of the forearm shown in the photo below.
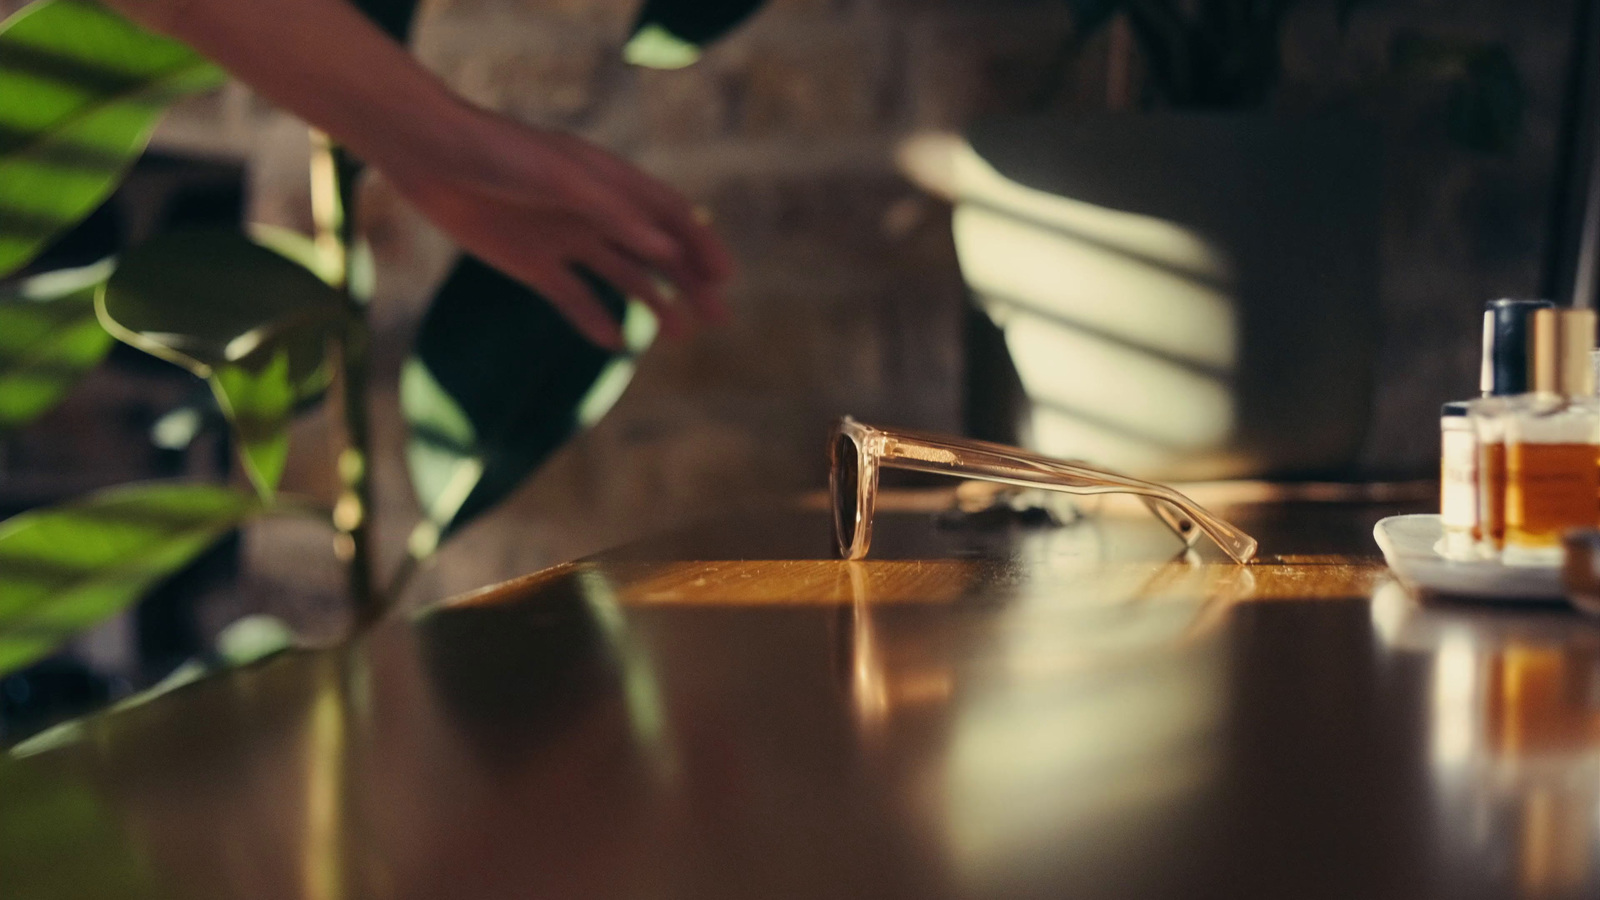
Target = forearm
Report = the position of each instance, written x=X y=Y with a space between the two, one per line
x=325 y=62
x=533 y=203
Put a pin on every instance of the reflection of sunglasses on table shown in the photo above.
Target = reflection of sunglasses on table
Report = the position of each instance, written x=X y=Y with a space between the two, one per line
x=857 y=451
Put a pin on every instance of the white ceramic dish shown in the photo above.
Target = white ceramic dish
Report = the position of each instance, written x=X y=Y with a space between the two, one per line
x=1408 y=544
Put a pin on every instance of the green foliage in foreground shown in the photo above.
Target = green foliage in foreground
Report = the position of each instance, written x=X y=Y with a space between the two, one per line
x=485 y=409
x=65 y=568
x=81 y=89
x=496 y=383
x=59 y=840
x=49 y=340
x=254 y=324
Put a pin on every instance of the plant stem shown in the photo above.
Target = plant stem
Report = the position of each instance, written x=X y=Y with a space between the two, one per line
x=355 y=466
x=335 y=174
x=354 y=470
x=409 y=566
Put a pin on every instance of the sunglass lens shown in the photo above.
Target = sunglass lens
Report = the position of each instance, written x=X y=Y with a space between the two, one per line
x=845 y=485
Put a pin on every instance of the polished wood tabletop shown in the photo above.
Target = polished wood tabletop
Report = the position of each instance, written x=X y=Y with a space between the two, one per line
x=981 y=710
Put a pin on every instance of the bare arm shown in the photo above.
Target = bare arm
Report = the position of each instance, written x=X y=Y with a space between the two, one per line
x=530 y=202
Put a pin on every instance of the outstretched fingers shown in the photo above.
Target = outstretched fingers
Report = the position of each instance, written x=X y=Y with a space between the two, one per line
x=576 y=303
x=624 y=222
x=638 y=283
x=540 y=204
x=705 y=257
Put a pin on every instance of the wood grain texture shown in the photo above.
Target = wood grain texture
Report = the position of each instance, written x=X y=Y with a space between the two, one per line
x=974 y=712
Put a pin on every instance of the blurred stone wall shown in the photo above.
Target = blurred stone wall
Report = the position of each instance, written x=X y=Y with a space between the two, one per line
x=1460 y=226
x=849 y=299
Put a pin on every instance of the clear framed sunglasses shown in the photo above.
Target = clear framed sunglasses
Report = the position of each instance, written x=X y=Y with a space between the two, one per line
x=856 y=453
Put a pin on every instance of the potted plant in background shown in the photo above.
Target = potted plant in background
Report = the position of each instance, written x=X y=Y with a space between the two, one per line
x=274 y=321
x=1190 y=290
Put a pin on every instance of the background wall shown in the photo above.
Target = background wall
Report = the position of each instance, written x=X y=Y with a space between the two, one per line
x=849 y=298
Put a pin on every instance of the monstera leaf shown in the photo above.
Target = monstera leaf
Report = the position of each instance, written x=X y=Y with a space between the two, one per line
x=254 y=324
x=669 y=33
x=65 y=568
x=395 y=17
x=496 y=382
x=49 y=340
x=80 y=91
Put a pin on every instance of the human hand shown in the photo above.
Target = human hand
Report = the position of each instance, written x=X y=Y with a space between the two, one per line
x=534 y=204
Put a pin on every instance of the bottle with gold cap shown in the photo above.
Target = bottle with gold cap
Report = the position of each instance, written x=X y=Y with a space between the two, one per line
x=1552 y=439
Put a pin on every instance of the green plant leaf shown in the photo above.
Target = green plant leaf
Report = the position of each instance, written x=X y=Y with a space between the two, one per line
x=297 y=247
x=669 y=34
x=497 y=380
x=362 y=267
x=259 y=403
x=243 y=642
x=205 y=299
x=49 y=340
x=253 y=638
x=178 y=427
x=395 y=17
x=80 y=91
x=253 y=323
x=68 y=567
x=60 y=839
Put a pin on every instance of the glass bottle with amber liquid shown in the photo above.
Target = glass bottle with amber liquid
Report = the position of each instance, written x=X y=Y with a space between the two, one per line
x=1552 y=441
x=1506 y=377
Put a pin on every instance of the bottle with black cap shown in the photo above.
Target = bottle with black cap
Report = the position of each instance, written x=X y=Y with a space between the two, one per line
x=1472 y=469
x=1552 y=438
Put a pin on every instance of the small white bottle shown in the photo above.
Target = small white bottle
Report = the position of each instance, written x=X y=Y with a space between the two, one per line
x=1458 y=481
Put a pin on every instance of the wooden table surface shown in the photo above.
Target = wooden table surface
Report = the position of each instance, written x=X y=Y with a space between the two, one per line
x=725 y=713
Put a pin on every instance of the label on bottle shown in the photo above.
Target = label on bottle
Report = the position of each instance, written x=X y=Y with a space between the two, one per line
x=1492 y=491
x=1458 y=479
x=1550 y=488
